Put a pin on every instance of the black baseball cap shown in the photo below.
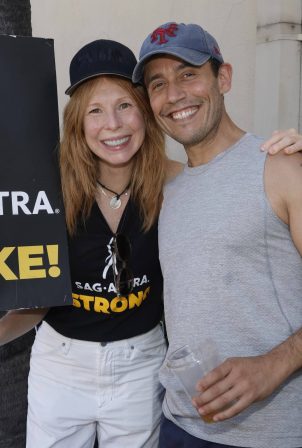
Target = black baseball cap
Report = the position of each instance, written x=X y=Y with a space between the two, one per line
x=100 y=57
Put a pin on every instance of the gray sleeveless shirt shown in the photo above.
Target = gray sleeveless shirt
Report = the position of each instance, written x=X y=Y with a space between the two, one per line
x=232 y=273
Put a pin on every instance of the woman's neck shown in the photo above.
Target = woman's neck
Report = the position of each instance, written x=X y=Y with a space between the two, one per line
x=115 y=178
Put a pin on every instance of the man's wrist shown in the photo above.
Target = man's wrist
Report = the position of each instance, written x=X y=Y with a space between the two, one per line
x=287 y=357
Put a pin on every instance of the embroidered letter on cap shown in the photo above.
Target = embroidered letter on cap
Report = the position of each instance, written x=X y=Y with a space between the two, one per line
x=217 y=51
x=160 y=34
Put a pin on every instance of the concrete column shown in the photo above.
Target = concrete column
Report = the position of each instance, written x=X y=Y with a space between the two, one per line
x=278 y=88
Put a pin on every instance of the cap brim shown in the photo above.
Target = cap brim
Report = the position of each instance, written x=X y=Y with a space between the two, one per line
x=73 y=87
x=193 y=57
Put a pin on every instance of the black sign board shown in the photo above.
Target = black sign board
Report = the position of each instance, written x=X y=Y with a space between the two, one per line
x=34 y=268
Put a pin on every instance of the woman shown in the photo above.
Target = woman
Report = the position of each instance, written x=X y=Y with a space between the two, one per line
x=94 y=366
x=96 y=363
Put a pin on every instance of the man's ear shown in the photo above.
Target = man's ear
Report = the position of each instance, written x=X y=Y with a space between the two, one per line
x=225 y=78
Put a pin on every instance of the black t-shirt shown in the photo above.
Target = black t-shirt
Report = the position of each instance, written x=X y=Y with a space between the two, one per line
x=98 y=314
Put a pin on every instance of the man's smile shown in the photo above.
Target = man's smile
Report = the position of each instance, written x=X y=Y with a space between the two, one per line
x=184 y=113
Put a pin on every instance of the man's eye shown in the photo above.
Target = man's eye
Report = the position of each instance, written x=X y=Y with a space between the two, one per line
x=157 y=85
x=188 y=75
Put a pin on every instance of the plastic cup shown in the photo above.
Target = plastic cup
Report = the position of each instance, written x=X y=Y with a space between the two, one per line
x=190 y=364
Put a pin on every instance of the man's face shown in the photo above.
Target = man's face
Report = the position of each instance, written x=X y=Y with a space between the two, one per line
x=187 y=101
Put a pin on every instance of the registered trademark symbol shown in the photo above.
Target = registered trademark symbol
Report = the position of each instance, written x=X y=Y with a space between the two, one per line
x=57 y=211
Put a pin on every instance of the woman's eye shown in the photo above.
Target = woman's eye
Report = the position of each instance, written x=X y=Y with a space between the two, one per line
x=95 y=110
x=124 y=106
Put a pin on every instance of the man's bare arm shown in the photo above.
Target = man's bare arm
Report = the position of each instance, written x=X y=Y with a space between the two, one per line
x=239 y=382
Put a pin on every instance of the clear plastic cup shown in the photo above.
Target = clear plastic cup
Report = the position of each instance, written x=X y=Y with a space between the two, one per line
x=190 y=364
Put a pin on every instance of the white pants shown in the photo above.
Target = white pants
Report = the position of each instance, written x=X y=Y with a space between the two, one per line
x=77 y=388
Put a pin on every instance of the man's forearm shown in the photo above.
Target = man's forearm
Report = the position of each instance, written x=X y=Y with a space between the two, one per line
x=289 y=354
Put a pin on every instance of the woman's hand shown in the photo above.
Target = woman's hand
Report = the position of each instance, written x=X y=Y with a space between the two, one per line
x=289 y=141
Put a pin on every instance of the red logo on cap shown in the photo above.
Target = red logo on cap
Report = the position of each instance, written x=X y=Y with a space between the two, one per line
x=160 y=34
x=217 y=51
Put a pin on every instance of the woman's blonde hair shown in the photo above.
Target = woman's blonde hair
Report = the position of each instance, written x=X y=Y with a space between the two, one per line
x=79 y=165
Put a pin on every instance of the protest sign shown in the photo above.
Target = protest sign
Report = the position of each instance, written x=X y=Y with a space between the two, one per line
x=34 y=268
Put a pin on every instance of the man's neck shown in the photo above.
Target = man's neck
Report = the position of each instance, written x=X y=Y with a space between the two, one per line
x=225 y=136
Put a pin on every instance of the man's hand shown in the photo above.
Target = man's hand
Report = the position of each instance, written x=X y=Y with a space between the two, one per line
x=289 y=141
x=236 y=383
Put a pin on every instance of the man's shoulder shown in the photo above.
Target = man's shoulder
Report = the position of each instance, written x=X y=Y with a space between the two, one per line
x=283 y=180
x=285 y=165
x=251 y=139
x=248 y=148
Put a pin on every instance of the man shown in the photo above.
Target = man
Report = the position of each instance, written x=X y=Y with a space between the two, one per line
x=230 y=239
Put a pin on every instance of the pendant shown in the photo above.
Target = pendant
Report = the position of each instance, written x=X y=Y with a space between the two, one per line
x=115 y=202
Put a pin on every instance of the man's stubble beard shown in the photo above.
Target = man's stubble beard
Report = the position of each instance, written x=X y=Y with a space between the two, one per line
x=209 y=130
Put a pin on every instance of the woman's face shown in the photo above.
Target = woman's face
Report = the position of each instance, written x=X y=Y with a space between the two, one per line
x=114 y=126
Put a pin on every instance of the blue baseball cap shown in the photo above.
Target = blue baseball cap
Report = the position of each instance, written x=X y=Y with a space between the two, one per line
x=190 y=43
x=100 y=57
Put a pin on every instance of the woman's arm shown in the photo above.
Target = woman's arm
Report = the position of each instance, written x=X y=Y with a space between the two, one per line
x=18 y=322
